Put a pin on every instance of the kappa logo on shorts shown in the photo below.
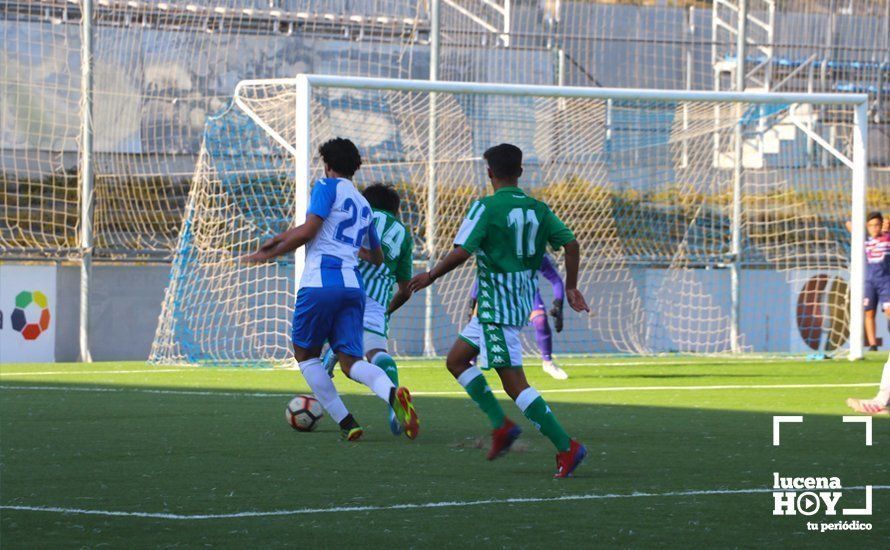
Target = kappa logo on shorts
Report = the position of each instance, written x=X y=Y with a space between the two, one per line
x=495 y=338
x=497 y=350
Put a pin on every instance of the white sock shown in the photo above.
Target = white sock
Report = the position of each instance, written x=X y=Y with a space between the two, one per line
x=468 y=376
x=883 y=396
x=373 y=377
x=526 y=398
x=323 y=388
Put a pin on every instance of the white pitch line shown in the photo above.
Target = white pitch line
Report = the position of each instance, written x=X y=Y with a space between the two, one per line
x=593 y=363
x=670 y=388
x=89 y=372
x=224 y=393
x=383 y=508
x=147 y=390
x=407 y=365
x=691 y=362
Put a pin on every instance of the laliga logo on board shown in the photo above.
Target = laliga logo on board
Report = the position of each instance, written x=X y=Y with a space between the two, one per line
x=31 y=315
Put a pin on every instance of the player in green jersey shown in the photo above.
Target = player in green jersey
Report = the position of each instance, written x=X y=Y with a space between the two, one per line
x=378 y=280
x=508 y=232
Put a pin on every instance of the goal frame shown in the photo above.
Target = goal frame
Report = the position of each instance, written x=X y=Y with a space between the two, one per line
x=301 y=150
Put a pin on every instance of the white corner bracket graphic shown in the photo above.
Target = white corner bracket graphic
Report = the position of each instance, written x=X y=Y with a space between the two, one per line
x=864 y=420
x=777 y=426
x=861 y=511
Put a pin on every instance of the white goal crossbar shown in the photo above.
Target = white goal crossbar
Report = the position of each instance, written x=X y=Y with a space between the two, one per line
x=300 y=148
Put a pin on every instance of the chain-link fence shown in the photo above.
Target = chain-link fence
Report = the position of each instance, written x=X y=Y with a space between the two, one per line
x=160 y=68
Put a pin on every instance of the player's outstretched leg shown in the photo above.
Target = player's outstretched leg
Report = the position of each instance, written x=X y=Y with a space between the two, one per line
x=385 y=361
x=323 y=388
x=504 y=431
x=879 y=404
x=544 y=337
x=570 y=453
x=377 y=380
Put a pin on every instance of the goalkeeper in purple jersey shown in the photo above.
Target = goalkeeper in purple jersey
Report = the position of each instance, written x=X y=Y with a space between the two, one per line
x=538 y=317
x=877 y=273
x=877 y=295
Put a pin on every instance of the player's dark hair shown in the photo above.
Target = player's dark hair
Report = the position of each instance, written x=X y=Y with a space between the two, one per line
x=382 y=197
x=505 y=161
x=341 y=155
x=874 y=216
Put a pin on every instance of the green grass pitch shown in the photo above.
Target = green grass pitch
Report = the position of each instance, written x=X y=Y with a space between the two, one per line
x=681 y=453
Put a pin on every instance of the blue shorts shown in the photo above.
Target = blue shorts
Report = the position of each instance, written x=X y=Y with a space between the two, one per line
x=334 y=314
x=877 y=295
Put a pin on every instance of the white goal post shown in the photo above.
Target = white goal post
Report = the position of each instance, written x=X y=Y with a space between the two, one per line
x=769 y=193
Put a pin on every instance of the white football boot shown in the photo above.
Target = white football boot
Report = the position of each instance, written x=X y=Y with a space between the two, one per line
x=553 y=370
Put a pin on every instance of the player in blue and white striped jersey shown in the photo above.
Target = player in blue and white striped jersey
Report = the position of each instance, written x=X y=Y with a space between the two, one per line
x=331 y=299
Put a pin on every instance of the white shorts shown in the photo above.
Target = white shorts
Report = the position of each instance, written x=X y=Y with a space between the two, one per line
x=498 y=345
x=375 y=325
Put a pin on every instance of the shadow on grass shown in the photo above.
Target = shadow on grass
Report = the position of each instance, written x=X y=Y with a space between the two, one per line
x=220 y=453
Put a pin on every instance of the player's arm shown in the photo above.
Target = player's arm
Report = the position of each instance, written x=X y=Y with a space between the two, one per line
x=321 y=201
x=286 y=242
x=573 y=261
x=559 y=236
x=404 y=270
x=449 y=263
x=370 y=250
x=469 y=237
x=399 y=298
x=372 y=256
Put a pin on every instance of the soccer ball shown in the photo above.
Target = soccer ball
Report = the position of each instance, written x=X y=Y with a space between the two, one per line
x=303 y=413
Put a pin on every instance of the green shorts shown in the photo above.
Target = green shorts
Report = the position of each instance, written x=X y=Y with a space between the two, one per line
x=498 y=345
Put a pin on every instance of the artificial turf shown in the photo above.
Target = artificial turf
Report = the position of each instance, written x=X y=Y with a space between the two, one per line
x=680 y=454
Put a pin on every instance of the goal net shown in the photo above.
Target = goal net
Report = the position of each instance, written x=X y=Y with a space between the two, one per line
x=709 y=222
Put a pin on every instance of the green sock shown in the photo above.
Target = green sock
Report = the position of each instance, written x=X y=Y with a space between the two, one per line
x=543 y=418
x=474 y=382
x=388 y=364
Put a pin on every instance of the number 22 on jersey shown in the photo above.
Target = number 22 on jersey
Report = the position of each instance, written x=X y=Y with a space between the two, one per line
x=341 y=235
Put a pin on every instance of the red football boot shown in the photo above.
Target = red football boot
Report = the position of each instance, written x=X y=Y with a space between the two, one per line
x=502 y=438
x=567 y=461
